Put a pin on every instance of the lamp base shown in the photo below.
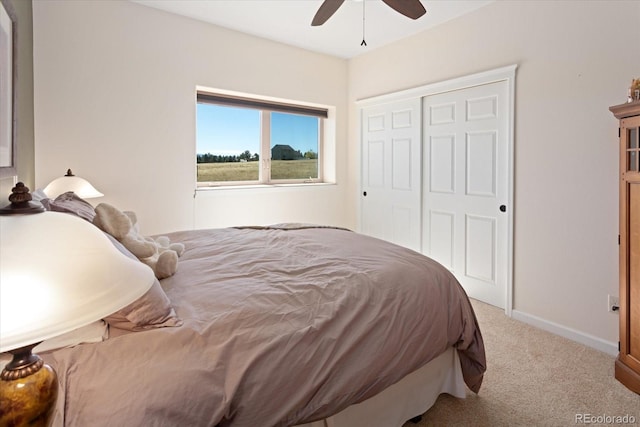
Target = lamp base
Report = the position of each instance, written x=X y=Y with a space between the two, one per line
x=28 y=390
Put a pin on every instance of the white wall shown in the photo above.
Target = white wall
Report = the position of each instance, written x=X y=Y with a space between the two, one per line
x=115 y=86
x=575 y=59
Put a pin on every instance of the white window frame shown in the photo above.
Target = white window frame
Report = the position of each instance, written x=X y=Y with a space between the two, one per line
x=267 y=105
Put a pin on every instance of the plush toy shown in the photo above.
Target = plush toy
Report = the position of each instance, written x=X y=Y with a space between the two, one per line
x=165 y=244
x=159 y=254
x=634 y=90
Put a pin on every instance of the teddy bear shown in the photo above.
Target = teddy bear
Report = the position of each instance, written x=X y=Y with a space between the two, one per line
x=160 y=254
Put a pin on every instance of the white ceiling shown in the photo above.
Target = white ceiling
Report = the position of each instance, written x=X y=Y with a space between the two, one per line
x=289 y=21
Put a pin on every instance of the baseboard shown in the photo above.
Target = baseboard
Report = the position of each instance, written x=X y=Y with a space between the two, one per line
x=563 y=331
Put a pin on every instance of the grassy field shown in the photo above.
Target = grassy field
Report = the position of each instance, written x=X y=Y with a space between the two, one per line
x=248 y=171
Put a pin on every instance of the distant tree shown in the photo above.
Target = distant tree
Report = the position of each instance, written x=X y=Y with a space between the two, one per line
x=205 y=158
x=311 y=155
x=219 y=158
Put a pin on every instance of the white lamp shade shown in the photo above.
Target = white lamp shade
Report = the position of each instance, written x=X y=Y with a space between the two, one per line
x=58 y=273
x=80 y=186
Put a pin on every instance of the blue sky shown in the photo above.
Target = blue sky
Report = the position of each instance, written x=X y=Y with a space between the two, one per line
x=229 y=130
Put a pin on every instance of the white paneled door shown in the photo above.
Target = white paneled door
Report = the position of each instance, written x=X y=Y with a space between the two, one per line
x=391 y=172
x=465 y=187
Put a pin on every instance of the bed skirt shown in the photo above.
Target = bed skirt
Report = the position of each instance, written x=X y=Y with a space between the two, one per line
x=411 y=396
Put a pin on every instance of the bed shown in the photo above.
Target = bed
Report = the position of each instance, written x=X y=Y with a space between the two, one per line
x=286 y=325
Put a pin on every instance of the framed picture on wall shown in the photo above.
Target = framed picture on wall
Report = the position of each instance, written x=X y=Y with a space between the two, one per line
x=8 y=146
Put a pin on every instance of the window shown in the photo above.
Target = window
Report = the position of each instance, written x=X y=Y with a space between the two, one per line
x=251 y=141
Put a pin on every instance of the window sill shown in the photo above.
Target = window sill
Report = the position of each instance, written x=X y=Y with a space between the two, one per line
x=264 y=186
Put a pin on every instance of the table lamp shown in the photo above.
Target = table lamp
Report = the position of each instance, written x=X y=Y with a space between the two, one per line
x=70 y=182
x=58 y=273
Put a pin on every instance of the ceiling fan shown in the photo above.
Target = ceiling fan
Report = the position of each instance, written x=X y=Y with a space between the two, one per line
x=410 y=8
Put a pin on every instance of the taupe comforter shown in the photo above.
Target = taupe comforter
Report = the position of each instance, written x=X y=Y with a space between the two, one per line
x=281 y=327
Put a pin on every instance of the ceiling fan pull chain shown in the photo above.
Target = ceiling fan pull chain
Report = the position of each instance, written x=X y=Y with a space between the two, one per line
x=364 y=43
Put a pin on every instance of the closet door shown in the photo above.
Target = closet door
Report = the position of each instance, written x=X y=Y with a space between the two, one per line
x=391 y=172
x=466 y=187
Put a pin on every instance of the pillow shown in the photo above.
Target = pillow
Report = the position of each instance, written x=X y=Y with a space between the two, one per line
x=38 y=195
x=152 y=310
x=69 y=202
x=97 y=331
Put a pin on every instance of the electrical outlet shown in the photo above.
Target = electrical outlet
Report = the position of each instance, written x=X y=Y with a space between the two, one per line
x=613 y=303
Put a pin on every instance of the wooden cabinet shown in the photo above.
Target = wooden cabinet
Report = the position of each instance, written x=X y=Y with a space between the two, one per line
x=627 y=367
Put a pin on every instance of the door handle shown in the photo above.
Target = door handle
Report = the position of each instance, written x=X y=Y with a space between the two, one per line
x=503 y=208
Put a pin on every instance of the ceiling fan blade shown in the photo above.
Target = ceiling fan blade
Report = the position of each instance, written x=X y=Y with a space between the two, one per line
x=410 y=8
x=327 y=9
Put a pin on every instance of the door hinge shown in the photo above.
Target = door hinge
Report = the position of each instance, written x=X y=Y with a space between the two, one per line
x=618 y=346
x=618 y=132
x=618 y=240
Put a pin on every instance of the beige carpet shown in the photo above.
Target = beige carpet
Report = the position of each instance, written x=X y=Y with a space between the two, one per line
x=535 y=378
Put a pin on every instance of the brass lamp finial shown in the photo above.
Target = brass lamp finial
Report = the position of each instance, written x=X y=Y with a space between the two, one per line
x=21 y=203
